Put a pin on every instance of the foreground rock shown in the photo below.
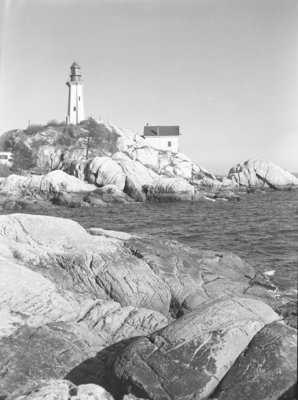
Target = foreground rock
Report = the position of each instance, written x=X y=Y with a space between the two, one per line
x=258 y=173
x=63 y=390
x=195 y=276
x=58 y=289
x=189 y=357
x=270 y=362
x=84 y=306
x=90 y=265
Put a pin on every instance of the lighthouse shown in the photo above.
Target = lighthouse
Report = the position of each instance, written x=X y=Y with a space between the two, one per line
x=75 y=109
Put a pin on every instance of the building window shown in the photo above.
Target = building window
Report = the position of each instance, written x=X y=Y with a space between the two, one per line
x=74 y=109
x=169 y=144
x=79 y=98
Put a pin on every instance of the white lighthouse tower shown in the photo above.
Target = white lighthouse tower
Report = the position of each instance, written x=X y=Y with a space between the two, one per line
x=75 y=110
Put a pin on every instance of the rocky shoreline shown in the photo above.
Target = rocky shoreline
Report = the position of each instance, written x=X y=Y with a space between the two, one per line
x=107 y=315
x=96 y=163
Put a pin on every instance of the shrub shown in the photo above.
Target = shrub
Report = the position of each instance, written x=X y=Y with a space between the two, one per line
x=39 y=142
x=23 y=158
x=8 y=144
x=54 y=122
x=64 y=140
x=32 y=129
x=70 y=130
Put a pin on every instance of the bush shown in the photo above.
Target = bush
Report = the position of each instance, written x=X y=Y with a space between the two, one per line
x=32 y=129
x=8 y=144
x=54 y=122
x=23 y=158
x=38 y=143
x=64 y=140
x=70 y=130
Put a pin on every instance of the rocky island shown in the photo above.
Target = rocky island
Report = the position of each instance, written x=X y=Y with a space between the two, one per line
x=94 y=163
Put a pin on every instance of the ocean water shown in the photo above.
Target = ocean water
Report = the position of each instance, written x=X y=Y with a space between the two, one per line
x=261 y=228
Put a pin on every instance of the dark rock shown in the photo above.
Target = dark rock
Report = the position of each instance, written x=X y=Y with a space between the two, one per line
x=107 y=194
x=39 y=353
x=227 y=195
x=267 y=368
x=62 y=199
x=133 y=191
x=11 y=205
x=288 y=311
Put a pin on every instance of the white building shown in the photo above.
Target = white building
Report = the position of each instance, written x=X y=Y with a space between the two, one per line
x=6 y=158
x=75 y=109
x=163 y=137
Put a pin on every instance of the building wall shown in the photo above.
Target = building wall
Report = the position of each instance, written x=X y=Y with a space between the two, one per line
x=162 y=142
x=75 y=110
x=6 y=158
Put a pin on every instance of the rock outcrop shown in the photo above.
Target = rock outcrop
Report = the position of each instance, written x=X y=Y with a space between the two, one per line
x=107 y=194
x=170 y=189
x=51 y=183
x=105 y=171
x=269 y=362
x=102 y=156
x=131 y=314
x=258 y=173
x=188 y=358
x=62 y=390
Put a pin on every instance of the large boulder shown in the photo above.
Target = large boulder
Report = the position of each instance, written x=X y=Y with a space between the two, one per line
x=187 y=359
x=104 y=171
x=99 y=267
x=170 y=189
x=52 y=350
x=195 y=276
x=262 y=173
x=51 y=183
x=266 y=370
x=108 y=194
x=27 y=297
x=137 y=175
x=62 y=390
x=148 y=156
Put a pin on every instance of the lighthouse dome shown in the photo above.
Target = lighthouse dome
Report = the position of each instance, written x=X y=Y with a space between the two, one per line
x=75 y=65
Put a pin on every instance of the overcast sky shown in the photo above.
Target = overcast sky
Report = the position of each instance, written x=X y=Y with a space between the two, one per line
x=224 y=70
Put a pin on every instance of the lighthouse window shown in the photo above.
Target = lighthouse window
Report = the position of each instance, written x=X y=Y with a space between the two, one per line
x=169 y=144
x=79 y=98
x=74 y=109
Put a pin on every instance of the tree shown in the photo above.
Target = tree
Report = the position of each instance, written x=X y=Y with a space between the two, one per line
x=23 y=157
x=92 y=136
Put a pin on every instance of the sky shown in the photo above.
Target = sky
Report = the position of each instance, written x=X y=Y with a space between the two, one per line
x=225 y=71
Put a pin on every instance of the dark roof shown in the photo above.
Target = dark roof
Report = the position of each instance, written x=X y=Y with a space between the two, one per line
x=161 y=130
